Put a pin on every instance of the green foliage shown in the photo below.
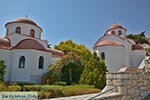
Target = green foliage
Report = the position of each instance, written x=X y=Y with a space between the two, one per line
x=71 y=73
x=13 y=87
x=94 y=72
x=54 y=73
x=79 y=90
x=138 y=38
x=3 y=87
x=60 y=83
x=81 y=50
x=32 y=87
x=54 y=91
x=2 y=70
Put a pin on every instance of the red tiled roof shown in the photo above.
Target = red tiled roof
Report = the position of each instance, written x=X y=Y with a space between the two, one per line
x=24 y=20
x=29 y=44
x=137 y=47
x=108 y=43
x=56 y=53
x=115 y=26
x=4 y=42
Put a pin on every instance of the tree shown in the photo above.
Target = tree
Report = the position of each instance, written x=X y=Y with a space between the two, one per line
x=94 y=72
x=2 y=70
x=138 y=38
x=69 y=46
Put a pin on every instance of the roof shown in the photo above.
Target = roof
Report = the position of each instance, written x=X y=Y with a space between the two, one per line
x=137 y=47
x=33 y=44
x=108 y=43
x=56 y=53
x=4 y=42
x=23 y=20
x=116 y=26
x=29 y=44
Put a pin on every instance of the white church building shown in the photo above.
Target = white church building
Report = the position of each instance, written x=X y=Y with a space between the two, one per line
x=117 y=50
x=27 y=56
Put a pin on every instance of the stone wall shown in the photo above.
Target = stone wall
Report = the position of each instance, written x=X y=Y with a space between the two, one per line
x=129 y=83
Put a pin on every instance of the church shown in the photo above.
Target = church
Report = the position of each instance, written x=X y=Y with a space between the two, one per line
x=27 y=56
x=117 y=50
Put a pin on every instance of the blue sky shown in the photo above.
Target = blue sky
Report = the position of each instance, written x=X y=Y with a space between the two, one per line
x=83 y=21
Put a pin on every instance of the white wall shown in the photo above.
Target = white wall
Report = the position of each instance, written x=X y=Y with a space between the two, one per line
x=31 y=70
x=5 y=55
x=25 y=29
x=114 y=57
x=137 y=57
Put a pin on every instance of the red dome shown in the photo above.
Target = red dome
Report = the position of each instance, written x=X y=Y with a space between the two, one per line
x=24 y=20
x=115 y=26
x=29 y=44
x=4 y=42
x=137 y=47
x=108 y=43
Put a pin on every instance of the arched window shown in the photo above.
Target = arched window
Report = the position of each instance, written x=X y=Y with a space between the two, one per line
x=119 y=32
x=18 y=30
x=103 y=56
x=22 y=62
x=113 y=32
x=41 y=62
x=32 y=32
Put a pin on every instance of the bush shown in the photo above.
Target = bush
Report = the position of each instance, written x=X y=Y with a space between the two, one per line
x=3 y=87
x=60 y=83
x=79 y=90
x=32 y=87
x=14 y=88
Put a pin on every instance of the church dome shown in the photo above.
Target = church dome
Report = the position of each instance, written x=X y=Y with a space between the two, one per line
x=30 y=44
x=23 y=20
x=4 y=42
x=108 y=43
x=116 y=26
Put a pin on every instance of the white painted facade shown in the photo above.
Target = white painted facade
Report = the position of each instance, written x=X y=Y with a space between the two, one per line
x=22 y=49
x=118 y=51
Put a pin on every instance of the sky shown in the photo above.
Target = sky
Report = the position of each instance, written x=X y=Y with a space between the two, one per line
x=83 y=21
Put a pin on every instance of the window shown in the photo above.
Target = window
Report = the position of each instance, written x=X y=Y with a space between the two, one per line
x=103 y=56
x=113 y=32
x=119 y=32
x=22 y=62
x=41 y=62
x=32 y=33
x=18 y=30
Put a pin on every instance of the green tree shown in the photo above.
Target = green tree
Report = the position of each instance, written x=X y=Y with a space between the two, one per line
x=2 y=70
x=81 y=50
x=138 y=38
x=53 y=75
x=94 y=72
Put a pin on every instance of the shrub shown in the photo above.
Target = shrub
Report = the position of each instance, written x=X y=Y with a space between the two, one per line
x=3 y=87
x=55 y=91
x=60 y=83
x=79 y=90
x=14 y=88
x=32 y=87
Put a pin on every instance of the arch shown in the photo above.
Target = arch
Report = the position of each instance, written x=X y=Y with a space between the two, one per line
x=119 y=32
x=22 y=62
x=41 y=62
x=113 y=32
x=102 y=55
x=32 y=32
x=18 y=30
